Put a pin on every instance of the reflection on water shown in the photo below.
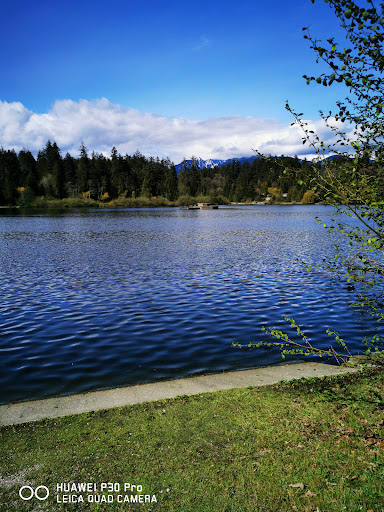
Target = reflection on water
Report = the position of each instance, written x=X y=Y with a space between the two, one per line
x=100 y=298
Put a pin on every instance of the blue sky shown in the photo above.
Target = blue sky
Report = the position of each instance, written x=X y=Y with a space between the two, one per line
x=170 y=78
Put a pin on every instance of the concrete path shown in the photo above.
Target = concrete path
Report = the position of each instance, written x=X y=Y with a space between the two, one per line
x=23 y=412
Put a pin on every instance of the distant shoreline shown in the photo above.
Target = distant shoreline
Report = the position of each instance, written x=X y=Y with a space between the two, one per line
x=63 y=204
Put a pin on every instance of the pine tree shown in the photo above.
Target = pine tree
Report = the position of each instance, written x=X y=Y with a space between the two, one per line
x=82 y=172
x=9 y=171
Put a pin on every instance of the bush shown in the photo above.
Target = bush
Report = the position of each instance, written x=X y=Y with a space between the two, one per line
x=185 y=200
x=309 y=197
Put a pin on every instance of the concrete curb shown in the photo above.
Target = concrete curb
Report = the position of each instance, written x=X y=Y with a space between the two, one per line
x=35 y=410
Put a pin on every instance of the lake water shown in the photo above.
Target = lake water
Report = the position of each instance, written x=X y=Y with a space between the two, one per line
x=92 y=299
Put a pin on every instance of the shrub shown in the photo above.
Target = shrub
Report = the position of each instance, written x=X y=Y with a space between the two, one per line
x=309 y=197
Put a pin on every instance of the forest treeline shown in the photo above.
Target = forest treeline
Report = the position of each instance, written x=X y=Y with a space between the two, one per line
x=29 y=181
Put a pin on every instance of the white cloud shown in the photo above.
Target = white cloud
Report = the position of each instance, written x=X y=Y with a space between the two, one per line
x=102 y=125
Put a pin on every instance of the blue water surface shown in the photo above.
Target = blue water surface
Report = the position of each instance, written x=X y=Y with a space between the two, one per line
x=92 y=299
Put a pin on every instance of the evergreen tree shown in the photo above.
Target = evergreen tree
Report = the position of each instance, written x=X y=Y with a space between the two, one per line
x=189 y=178
x=70 y=168
x=102 y=176
x=55 y=168
x=170 y=180
x=28 y=171
x=82 y=172
x=130 y=178
x=9 y=172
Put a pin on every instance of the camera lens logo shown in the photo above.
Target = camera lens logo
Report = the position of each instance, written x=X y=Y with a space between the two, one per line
x=27 y=493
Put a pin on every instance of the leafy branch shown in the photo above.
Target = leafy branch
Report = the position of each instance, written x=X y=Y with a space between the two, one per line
x=353 y=180
x=304 y=347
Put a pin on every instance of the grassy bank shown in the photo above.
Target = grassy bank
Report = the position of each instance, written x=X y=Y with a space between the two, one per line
x=119 y=202
x=310 y=445
x=133 y=202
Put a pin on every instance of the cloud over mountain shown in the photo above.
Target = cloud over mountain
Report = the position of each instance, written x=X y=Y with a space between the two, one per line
x=102 y=125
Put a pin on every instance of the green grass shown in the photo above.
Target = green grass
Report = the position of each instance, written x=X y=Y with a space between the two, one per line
x=68 y=202
x=308 y=445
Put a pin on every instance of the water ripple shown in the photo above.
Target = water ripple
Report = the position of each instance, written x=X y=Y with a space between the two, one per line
x=96 y=299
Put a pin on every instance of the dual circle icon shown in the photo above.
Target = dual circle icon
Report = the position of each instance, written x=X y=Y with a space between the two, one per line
x=27 y=492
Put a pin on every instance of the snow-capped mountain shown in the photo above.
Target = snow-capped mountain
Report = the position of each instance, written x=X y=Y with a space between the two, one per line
x=211 y=163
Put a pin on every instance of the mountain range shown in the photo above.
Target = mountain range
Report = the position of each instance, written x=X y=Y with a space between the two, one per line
x=211 y=163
